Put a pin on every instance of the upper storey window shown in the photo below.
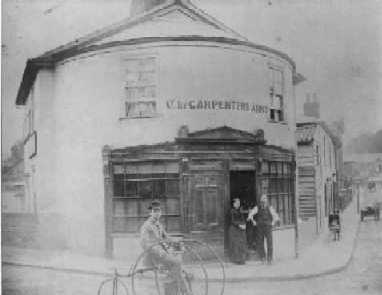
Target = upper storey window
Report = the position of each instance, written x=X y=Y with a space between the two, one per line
x=140 y=87
x=276 y=94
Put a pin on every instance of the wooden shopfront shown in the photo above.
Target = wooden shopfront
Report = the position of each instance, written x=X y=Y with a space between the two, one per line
x=195 y=177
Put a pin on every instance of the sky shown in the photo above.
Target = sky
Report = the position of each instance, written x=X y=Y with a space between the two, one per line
x=336 y=44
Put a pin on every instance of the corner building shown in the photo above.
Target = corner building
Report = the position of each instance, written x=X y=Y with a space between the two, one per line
x=170 y=104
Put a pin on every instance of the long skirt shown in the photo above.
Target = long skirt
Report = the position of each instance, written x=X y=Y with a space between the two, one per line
x=237 y=245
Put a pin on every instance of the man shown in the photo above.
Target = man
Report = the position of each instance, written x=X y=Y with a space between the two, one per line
x=264 y=217
x=155 y=240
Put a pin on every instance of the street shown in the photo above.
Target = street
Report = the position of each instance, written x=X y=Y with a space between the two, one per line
x=363 y=276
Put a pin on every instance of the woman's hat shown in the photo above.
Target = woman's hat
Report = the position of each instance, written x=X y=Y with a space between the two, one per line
x=155 y=204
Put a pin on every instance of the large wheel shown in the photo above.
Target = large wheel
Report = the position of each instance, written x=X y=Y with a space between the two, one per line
x=151 y=278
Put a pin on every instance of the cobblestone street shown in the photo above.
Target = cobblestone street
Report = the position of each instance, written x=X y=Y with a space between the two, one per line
x=363 y=276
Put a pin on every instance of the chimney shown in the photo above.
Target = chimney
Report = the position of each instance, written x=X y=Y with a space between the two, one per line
x=140 y=6
x=312 y=108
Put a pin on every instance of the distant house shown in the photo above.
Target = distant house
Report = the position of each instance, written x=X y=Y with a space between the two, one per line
x=318 y=159
x=362 y=166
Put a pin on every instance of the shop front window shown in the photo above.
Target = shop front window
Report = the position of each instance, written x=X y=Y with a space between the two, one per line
x=133 y=193
x=280 y=189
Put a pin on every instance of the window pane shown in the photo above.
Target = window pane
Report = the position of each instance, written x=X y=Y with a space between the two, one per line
x=132 y=208
x=287 y=209
x=264 y=167
x=173 y=224
x=118 y=185
x=211 y=204
x=145 y=189
x=273 y=167
x=280 y=115
x=282 y=209
x=172 y=188
x=173 y=206
x=132 y=65
x=146 y=78
x=131 y=188
x=198 y=207
x=279 y=168
x=272 y=114
x=140 y=108
x=147 y=64
x=132 y=78
x=119 y=208
x=291 y=208
x=159 y=189
x=150 y=92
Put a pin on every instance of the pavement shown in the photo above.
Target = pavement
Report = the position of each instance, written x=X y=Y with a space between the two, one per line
x=323 y=257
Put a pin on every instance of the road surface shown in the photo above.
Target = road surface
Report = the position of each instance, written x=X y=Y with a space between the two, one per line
x=363 y=276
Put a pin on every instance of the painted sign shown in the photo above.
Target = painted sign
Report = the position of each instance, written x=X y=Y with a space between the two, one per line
x=209 y=104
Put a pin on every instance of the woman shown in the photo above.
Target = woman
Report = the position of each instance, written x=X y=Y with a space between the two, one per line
x=236 y=234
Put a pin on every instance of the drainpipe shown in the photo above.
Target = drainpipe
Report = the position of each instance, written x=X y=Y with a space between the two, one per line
x=296 y=202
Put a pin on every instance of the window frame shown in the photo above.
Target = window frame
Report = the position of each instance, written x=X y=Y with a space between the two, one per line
x=146 y=105
x=280 y=190
x=138 y=213
x=276 y=112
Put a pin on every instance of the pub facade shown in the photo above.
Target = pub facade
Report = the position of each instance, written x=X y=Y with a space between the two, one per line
x=168 y=104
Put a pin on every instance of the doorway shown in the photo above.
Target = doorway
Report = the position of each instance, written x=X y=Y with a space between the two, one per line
x=243 y=186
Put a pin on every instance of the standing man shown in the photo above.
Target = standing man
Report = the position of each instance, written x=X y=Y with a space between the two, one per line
x=264 y=217
x=156 y=241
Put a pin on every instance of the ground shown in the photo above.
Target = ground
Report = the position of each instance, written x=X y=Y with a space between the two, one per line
x=363 y=276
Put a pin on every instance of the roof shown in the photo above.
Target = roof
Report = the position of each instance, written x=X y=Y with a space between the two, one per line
x=223 y=134
x=173 y=20
x=306 y=128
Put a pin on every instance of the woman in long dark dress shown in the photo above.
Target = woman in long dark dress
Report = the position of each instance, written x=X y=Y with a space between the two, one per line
x=236 y=234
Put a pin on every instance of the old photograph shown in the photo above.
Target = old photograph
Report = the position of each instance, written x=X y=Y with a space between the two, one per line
x=191 y=147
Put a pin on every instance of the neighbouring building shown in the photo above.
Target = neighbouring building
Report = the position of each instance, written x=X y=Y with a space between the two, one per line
x=318 y=159
x=13 y=198
x=18 y=219
x=363 y=173
x=171 y=104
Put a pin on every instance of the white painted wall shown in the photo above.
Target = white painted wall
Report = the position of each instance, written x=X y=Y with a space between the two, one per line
x=79 y=111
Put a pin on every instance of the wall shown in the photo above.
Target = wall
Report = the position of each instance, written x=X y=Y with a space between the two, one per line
x=284 y=243
x=324 y=173
x=80 y=107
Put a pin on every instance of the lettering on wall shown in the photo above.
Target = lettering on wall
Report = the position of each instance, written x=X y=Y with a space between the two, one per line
x=208 y=104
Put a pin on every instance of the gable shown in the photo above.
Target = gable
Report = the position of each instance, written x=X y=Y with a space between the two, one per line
x=173 y=22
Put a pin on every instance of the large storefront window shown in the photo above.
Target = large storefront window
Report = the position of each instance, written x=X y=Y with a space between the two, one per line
x=280 y=189
x=133 y=193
